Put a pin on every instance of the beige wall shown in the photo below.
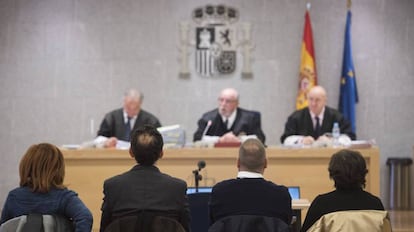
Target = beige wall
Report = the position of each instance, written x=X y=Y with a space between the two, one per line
x=64 y=63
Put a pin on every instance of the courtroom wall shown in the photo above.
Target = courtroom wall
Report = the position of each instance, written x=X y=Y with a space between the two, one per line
x=65 y=63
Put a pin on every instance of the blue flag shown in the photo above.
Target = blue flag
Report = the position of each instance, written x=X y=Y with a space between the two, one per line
x=349 y=93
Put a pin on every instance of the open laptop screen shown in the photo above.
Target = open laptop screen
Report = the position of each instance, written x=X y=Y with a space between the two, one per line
x=191 y=190
x=294 y=192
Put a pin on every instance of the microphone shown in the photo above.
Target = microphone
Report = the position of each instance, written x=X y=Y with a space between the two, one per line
x=201 y=164
x=206 y=129
x=197 y=177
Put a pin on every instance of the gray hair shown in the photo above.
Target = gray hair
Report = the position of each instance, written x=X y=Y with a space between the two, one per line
x=133 y=93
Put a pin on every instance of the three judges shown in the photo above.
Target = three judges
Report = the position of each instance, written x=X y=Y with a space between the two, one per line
x=229 y=123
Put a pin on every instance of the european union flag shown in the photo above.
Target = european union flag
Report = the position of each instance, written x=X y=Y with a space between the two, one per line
x=349 y=93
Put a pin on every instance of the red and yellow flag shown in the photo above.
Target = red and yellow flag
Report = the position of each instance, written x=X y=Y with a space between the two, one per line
x=307 y=71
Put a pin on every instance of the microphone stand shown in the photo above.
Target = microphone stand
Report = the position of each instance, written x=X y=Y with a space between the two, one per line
x=197 y=178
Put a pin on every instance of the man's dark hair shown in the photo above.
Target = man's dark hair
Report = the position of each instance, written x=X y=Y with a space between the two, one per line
x=348 y=169
x=146 y=145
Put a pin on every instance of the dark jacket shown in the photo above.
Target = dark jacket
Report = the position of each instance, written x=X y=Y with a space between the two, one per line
x=300 y=123
x=340 y=200
x=246 y=123
x=250 y=196
x=144 y=188
x=113 y=124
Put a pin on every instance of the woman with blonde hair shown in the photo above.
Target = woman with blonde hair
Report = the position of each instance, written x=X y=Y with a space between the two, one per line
x=41 y=191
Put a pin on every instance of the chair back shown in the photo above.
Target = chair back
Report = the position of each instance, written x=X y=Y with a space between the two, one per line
x=38 y=223
x=353 y=220
x=165 y=224
x=249 y=223
x=145 y=222
x=199 y=211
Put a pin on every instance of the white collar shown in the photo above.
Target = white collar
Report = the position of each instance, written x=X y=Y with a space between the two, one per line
x=126 y=117
x=231 y=119
x=247 y=174
x=320 y=116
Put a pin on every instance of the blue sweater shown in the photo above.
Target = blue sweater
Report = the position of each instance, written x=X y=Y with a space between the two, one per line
x=22 y=201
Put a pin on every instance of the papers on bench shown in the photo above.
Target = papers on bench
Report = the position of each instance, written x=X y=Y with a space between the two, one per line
x=173 y=136
x=300 y=203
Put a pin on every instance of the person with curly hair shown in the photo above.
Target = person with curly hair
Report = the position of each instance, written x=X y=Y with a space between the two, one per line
x=347 y=169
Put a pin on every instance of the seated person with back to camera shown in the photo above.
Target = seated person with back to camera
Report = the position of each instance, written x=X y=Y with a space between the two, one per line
x=229 y=123
x=348 y=170
x=118 y=124
x=311 y=125
x=250 y=193
x=41 y=191
x=144 y=188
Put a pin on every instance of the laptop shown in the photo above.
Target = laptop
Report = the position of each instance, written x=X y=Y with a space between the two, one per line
x=191 y=190
x=294 y=192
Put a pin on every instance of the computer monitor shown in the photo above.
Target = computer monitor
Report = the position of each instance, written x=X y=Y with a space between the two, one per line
x=294 y=192
x=191 y=190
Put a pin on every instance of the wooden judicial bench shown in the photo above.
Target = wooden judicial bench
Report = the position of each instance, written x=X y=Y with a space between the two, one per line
x=86 y=169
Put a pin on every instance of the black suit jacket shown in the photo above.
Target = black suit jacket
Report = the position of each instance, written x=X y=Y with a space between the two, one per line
x=144 y=188
x=250 y=196
x=113 y=124
x=246 y=123
x=340 y=200
x=300 y=123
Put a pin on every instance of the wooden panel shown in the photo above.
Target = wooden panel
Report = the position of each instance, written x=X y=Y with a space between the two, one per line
x=308 y=168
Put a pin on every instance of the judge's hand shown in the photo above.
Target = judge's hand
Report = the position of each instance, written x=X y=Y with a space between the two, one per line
x=308 y=140
x=111 y=142
x=229 y=137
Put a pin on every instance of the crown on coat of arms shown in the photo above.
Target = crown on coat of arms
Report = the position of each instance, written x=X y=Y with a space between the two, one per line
x=215 y=14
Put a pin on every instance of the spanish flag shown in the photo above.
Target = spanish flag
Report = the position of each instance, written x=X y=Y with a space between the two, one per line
x=349 y=93
x=307 y=71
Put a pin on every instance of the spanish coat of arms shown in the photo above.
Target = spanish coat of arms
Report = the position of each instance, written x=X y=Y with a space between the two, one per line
x=217 y=41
